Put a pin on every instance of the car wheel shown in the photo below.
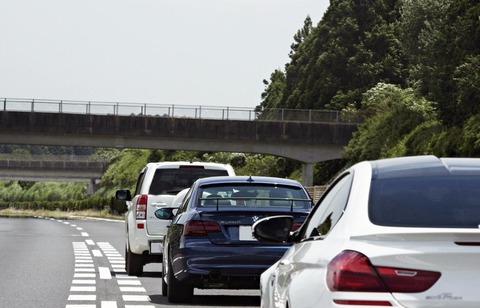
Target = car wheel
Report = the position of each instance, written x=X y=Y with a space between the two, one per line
x=133 y=263
x=164 y=284
x=176 y=291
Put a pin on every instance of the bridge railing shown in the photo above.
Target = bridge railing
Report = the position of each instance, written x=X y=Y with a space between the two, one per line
x=177 y=111
x=51 y=157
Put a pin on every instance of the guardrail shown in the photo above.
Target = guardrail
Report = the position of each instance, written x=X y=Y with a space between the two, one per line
x=177 y=111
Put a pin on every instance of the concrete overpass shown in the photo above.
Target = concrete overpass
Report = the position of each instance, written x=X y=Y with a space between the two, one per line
x=54 y=168
x=304 y=140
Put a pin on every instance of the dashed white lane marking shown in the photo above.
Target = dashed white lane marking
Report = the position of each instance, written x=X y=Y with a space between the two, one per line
x=84 y=234
x=84 y=275
x=129 y=283
x=97 y=253
x=105 y=273
x=109 y=304
x=83 y=289
x=136 y=298
x=84 y=265
x=82 y=281
x=133 y=289
x=81 y=297
x=90 y=242
x=85 y=269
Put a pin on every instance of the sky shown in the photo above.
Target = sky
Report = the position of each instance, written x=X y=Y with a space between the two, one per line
x=182 y=52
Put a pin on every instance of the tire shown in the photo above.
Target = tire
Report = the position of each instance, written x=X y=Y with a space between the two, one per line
x=164 y=284
x=133 y=263
x=176 y=291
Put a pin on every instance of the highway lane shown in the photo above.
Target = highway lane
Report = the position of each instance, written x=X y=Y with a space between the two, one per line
x=80 y=264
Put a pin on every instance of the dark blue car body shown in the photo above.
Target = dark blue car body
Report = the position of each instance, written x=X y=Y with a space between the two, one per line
x=209 y=243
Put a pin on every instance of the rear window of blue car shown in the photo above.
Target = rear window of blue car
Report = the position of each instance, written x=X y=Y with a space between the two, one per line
x=437 y=201
x=253 y=196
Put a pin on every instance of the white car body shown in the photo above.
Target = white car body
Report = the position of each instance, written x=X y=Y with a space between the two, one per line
x=301 y=278
x=144 y=232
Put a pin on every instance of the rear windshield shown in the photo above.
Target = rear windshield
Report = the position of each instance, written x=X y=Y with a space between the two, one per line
x=439 y=202
x=172 y=181
x=269 y=196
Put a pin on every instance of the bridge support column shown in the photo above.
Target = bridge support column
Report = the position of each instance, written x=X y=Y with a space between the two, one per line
x=92 y=187
x=307 y=174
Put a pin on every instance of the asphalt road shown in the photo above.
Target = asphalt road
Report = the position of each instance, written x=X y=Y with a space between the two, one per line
x=52 y=263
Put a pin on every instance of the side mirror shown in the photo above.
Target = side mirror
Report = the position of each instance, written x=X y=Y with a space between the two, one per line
x=166 y=213
x=275 y=229
x=123 y=194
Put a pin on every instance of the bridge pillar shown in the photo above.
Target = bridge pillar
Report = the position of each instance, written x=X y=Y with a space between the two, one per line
x=307 y=174
x=92 y=187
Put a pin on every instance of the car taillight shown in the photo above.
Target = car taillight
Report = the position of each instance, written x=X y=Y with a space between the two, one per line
x=200 y=228
x=141 y=207
x=295 y=226
x=352 y=271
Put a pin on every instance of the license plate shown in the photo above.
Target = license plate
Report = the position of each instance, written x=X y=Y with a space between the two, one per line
x=245 y=233
x=156 y=247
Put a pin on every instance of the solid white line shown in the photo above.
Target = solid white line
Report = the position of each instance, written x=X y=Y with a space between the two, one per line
x=129 y=282
x=117 y=261
x=81 y=306
x=109 y=304
x=105 y=273
x=136 y=298
x=75 y=297
x=118 y=265
x=133 y=289
x=83 y=289
x=84 y=261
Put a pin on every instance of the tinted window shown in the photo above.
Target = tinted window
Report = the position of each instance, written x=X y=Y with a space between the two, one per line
x=278 y=196
x=330 y=209
x=446 y=201
x=172 y=181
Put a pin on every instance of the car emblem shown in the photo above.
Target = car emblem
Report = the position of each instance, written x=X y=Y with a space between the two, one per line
x=255 y=218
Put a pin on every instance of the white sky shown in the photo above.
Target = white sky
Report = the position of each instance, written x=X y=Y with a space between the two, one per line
x=189 y=52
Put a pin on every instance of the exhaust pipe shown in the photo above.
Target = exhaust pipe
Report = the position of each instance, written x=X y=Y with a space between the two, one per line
x=215 y=276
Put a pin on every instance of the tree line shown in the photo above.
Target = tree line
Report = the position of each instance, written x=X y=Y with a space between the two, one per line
x=412 y=66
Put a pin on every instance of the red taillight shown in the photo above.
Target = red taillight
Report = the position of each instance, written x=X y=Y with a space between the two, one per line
x=352 y=271
x=200 y=228
x=295 y=226
x=141 y=207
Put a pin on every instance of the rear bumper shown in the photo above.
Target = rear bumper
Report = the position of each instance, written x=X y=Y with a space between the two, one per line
x=228 y=267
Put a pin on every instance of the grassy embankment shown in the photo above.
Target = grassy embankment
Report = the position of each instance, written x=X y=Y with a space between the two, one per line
x=12 y=212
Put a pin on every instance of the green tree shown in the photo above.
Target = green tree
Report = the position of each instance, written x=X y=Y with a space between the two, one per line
x=394 y=114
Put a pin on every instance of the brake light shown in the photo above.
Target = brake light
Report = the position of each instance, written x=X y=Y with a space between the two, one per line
x=141 y=207
x=352 y=271
x=295 y=226
x=200 y=228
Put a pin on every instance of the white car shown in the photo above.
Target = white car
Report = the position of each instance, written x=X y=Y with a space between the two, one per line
x=400 y=232
x=157 y=187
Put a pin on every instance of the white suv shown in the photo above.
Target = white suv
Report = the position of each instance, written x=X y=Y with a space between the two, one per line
x=157 y=186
